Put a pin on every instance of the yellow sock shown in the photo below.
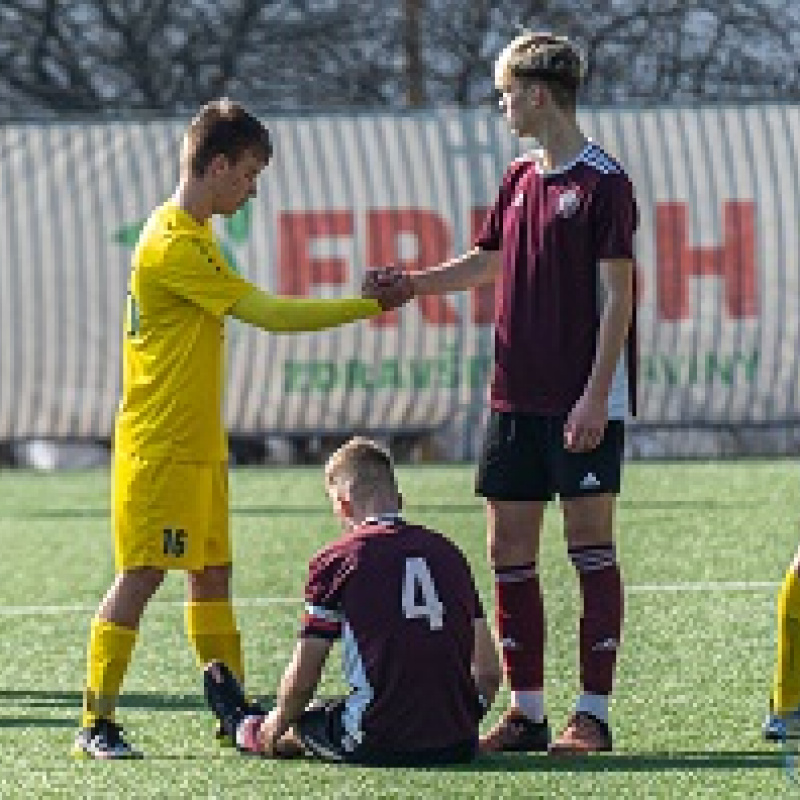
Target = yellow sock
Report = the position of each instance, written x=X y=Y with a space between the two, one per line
x=110 y=648
x=786 y=687
x=212 y=631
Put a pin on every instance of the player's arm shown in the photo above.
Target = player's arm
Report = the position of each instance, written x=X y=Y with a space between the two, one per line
x=287 y=314
x=586 y=423
x=297 y=687
x=462 y=272
x=486 y=670
x=473 y=268
x=616 y=277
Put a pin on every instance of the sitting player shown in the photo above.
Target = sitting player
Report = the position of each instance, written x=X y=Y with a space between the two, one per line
x=417 y=652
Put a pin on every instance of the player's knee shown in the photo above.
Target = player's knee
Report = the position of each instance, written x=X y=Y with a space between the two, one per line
x=510 y=550
x=141 y=583
x=589 y=536
x=588 y=524
x=212 y=583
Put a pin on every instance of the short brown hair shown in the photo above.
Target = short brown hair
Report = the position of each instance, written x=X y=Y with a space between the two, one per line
x=223 y=127
x=555 y=60
x=363 y=465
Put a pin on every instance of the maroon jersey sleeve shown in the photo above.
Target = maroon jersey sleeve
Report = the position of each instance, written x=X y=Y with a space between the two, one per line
x=491 y=234
x=615 y=217
x=328 y=572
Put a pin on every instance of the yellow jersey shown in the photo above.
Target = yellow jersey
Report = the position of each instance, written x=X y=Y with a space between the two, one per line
x=181 y=288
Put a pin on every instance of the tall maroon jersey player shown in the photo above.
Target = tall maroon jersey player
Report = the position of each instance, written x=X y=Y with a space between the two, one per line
x=558 y=243
x=417 y=652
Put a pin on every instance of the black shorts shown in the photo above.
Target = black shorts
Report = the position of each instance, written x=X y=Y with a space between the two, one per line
x=323 y=736
x=523 y=458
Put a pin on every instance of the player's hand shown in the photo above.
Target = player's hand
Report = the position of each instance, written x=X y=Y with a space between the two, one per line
x=276 y=744
x=390 y=286
x=586 y=424
x=289 y=745
x=269 y=735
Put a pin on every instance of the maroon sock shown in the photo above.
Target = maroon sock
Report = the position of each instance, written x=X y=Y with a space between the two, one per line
x=601 y=620
x=520 y=625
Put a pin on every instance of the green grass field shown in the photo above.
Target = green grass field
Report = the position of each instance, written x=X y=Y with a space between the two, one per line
x=703 y=548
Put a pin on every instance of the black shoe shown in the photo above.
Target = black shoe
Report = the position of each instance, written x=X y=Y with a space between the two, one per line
x=780 y=729
x=227 y=700
x=103 y=741
x=222 y=738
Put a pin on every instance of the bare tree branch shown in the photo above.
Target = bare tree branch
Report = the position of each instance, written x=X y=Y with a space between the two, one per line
x=88 y=56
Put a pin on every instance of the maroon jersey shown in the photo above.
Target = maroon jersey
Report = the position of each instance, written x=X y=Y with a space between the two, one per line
x=404 y=602
x=552 y=229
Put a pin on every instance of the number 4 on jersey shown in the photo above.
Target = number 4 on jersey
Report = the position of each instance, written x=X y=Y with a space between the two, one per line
x=419 y=594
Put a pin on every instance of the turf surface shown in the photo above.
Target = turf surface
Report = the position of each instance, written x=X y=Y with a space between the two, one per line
x=703 y=548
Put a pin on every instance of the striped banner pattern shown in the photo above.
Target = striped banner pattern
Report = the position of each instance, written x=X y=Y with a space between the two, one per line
x=717 y=254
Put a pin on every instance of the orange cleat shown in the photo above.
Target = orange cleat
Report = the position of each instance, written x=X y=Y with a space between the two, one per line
x=584 y=734
x=515 y=733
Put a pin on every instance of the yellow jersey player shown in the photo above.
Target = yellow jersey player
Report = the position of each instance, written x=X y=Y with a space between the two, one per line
x=170 y=486
x=783 y=720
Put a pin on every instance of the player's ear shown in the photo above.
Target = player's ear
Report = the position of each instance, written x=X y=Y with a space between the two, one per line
x=219 y=163
x=346 y=505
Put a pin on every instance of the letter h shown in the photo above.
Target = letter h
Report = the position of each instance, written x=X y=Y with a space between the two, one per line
x=734 y=261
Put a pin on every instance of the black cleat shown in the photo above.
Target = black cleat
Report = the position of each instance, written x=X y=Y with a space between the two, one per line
x=103 y=741
x=227 y=700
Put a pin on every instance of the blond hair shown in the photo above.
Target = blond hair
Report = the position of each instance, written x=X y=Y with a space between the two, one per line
x=363 y=466
x=555 y=60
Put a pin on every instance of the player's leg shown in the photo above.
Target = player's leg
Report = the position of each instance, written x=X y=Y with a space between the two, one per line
x=513 y=533
x=239 y=719
x=160 y=517
x=783 y=720
x=210 y=619
x=115 y=627
x=320 y=732
x=588 y=484
x=512 y=477
x=111 y=642
x=226 y=698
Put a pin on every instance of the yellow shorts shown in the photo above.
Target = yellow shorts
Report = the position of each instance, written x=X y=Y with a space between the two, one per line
x=170 y=515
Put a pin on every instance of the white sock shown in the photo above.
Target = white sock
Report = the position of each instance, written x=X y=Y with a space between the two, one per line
x=594 y=704
x=530 y=703
x=247 y=733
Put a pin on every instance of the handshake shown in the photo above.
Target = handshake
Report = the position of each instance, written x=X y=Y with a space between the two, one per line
x=390 y=286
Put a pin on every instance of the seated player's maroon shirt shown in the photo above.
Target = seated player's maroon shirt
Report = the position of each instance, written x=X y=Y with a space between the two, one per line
x=553 y=228
x=404 y=602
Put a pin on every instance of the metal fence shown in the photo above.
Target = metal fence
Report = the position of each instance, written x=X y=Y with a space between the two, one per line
x=717 y=252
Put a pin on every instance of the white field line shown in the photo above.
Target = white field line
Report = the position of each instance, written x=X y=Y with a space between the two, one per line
x=256 y=602
x=705 y=586
x=244 y=602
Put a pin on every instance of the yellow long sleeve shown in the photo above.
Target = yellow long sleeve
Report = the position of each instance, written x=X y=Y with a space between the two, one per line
x=286 y=314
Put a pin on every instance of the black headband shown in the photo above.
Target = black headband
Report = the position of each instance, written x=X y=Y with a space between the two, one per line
x=546 y=74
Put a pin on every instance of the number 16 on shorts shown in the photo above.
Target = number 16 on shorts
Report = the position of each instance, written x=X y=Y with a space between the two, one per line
x=174 y=542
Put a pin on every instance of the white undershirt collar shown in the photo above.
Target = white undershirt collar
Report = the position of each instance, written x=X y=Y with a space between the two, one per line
x=391 y=518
